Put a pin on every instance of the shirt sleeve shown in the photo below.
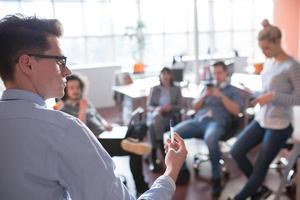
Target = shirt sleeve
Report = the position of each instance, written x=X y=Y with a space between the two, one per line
x=294 y=98
x=151 y=105
x=237 y=97
x=178 y=105
x=162 y=189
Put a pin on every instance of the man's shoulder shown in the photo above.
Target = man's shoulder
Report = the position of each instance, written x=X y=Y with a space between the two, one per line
x=31 y=111
x=233 y=88
x=55 y=117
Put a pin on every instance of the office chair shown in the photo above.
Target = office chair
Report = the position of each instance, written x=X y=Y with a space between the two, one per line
x=287 y=166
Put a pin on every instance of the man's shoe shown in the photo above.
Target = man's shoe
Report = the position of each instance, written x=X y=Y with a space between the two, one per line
x=183 y=177
x=136 y=147
x=216 y=187
x=262 y=193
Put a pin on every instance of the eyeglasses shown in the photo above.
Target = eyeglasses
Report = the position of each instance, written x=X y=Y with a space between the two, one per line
x=60 y=60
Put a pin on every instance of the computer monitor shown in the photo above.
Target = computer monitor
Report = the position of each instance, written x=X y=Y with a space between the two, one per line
x=177 y=74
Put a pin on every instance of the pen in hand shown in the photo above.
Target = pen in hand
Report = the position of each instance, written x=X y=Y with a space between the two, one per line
x=172 y=130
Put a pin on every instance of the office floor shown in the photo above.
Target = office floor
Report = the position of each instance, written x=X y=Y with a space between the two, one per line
x=198 y=187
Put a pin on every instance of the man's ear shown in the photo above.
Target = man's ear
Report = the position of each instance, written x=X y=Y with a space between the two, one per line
x=24 y=64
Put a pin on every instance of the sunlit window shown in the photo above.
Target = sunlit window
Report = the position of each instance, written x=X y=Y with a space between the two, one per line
x=94 y=30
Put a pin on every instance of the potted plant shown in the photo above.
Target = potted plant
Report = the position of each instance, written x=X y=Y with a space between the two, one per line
x=137 y=36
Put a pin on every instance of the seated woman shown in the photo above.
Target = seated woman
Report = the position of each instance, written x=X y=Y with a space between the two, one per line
x=164 y=104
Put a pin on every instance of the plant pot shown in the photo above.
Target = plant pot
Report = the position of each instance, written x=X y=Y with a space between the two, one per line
x=138 y=68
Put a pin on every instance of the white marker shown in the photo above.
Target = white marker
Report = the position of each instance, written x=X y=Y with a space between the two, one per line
x=172 y=130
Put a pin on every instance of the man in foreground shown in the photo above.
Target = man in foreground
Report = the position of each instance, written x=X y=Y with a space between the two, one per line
x=46 y=154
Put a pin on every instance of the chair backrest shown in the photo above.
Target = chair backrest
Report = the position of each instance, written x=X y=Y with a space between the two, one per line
x=236 y=126
x=240 y=121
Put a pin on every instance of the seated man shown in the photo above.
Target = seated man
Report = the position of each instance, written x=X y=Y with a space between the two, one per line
x=215 y=108
x=75 y=105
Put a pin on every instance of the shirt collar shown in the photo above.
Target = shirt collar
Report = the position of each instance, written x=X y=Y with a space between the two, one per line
x=16 y=94
x=223 y=84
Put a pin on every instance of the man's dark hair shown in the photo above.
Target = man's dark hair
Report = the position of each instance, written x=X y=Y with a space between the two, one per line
x=73 y=77
x=220 y=64
x=23 y=35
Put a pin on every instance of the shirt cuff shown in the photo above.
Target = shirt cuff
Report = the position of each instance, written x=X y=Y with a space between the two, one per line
x=169 y=179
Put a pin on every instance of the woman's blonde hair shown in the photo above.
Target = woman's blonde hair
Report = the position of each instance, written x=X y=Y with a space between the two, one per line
x=269 y=32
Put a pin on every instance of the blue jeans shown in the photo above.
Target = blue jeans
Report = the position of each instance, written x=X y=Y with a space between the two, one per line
x=209 y=130
x=271 y=142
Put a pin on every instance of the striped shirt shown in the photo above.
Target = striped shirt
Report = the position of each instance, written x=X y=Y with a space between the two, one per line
x=283 y=79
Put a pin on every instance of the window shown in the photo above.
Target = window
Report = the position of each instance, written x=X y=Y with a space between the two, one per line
x=94 y=29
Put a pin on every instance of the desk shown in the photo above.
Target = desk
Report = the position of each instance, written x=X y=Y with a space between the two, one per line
x=251 y=81
x=118 y=132
x=135 y=94
x=111 y=140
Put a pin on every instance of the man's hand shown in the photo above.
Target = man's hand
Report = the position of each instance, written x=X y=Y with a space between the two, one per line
x=176 y=153
x=83 y=105
x=216 y=92
x=263 y=99
x=108 y=127
x=208 y=91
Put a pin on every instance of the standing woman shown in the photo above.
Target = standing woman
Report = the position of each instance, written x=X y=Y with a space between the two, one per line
x=164 y=104
x=272 y=125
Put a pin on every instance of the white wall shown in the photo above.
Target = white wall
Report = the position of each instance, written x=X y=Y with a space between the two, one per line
x=100 y=79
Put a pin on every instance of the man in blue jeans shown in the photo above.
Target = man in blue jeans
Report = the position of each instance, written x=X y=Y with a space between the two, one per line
x=215 y=109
